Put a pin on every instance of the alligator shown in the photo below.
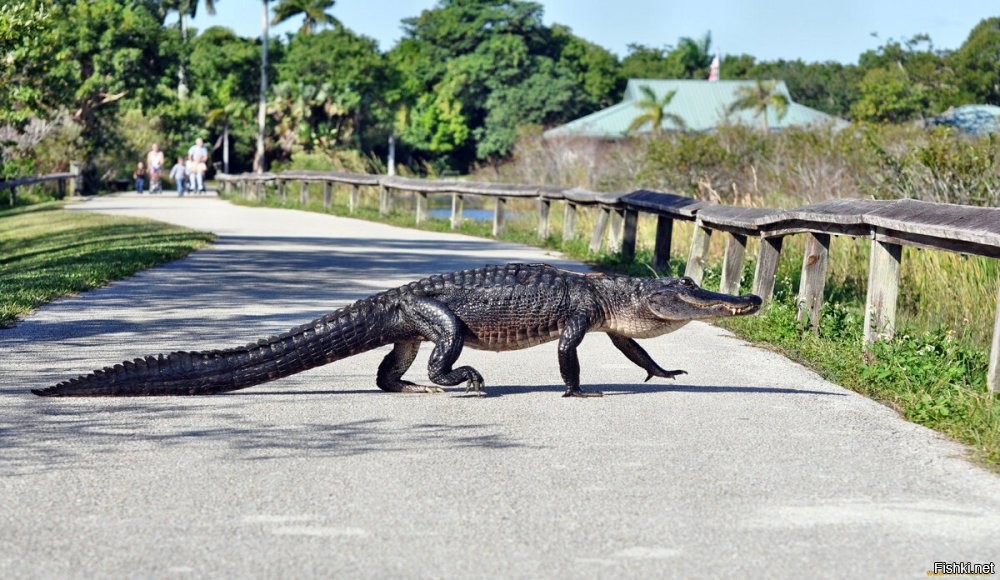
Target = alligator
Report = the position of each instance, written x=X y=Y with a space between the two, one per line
x=497 y=308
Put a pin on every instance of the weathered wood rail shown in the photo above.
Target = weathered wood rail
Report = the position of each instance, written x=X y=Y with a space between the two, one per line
x=62 y=179
x=889 y=225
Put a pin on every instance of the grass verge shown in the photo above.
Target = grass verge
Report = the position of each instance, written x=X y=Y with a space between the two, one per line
x=47 y=252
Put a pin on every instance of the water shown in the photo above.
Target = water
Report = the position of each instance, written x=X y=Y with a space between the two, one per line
x=482 y=215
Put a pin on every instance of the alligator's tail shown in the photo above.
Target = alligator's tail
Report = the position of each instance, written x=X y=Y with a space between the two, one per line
x=345 y=332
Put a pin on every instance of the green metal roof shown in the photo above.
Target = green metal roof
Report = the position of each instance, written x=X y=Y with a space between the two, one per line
x=702 y=104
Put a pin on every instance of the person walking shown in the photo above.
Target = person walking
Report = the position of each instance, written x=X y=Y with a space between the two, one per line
x=178 y=173
x=154 y=161
x=198 y=155
x=139 y=177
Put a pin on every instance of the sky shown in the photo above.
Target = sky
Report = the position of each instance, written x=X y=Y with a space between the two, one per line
x=828 y=30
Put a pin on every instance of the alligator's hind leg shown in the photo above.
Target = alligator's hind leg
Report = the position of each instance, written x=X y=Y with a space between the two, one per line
x=435 y=322
x=394 y=366
x=639 y=356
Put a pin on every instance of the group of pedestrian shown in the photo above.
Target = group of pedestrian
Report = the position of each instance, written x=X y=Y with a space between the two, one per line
x=188 y=173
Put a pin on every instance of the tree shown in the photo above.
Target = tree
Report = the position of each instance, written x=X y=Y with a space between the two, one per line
x=830 y=87
x=888 y=95
x=593 y=68
x=690 y=59
x=36 y=75
x=185 y=8
x=500 y=66
x=654 y=111
x=259 y=162
x=349 y=97
x=760 y=97
x=905 y=80
x=977 y=63
x=227 y=108
x=315 y=12
x=224 y=68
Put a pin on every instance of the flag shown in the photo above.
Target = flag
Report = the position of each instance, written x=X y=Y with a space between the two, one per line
x=713 y=70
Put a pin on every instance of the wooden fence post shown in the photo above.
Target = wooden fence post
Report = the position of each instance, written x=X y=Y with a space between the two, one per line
x=597 y=238
x=421 y=207
x=661 y=251
x=457 y=206
x=304 y=193
x=617 y=225
x=384 y=200
x=883 y=289
x=629 y=235
x=702 y=237
x=543 y=217
x=993 y=375
x=569 y=221
x=767 y=267
x=75 y=185
x=355 y=198
x=498 y=216
x=283 y=190
x=732 y=263
x=814 y=265
x=13 y=196
x=327 y=194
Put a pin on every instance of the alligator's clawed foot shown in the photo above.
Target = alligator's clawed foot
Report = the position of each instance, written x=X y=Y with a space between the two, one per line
x=476 y=385
x=578 y=392
x=665 y=374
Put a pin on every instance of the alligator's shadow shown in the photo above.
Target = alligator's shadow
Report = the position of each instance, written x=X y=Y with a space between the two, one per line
x=608 y=390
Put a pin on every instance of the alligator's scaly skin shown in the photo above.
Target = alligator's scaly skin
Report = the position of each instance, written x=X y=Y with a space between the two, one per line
x=495 y=308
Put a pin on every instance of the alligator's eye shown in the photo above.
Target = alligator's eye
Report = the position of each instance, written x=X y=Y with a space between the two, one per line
x=687 y=282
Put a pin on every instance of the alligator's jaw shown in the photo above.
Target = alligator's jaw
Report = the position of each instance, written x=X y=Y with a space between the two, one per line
x=722 y=308
x=684 y=300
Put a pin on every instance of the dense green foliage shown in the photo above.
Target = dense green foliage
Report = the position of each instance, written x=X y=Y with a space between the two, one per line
x=46 y=252
x=100 y=80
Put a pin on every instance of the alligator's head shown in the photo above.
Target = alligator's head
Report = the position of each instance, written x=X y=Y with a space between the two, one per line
x=678 y=299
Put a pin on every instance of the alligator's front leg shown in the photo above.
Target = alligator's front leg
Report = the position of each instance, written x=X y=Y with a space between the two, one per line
x=435 y=322
x=569 y=363
x=639 y=356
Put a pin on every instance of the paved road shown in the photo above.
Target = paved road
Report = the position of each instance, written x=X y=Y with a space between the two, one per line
x=749 y=466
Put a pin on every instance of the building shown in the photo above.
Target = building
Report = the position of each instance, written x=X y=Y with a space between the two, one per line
x=703 y=105
x=972 y=119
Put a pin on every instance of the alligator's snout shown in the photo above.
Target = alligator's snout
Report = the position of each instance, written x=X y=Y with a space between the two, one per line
x=736 y=305
x=685 y=300
x=753 y=303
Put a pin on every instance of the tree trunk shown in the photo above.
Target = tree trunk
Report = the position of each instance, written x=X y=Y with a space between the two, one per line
x=225 y=147
x=259 y=161
x=182 y=89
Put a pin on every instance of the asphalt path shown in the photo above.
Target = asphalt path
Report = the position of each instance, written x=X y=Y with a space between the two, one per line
x=748 y=466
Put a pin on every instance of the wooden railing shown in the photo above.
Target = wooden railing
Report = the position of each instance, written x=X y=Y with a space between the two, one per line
x=61 y=178
x=889 y=225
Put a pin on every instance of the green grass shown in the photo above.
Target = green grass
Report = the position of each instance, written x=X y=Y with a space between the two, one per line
x=47 y=252
x=930 y=375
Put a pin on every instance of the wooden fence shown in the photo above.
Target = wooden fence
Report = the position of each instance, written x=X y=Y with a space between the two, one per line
x=889 y=225
x=61 y=178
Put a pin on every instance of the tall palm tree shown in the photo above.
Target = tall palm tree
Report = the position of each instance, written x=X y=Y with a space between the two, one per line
x=258 y=159
x=654 y=111
x=227 y=108
x=185 y=9
x=760 y=97
x=315 y=12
